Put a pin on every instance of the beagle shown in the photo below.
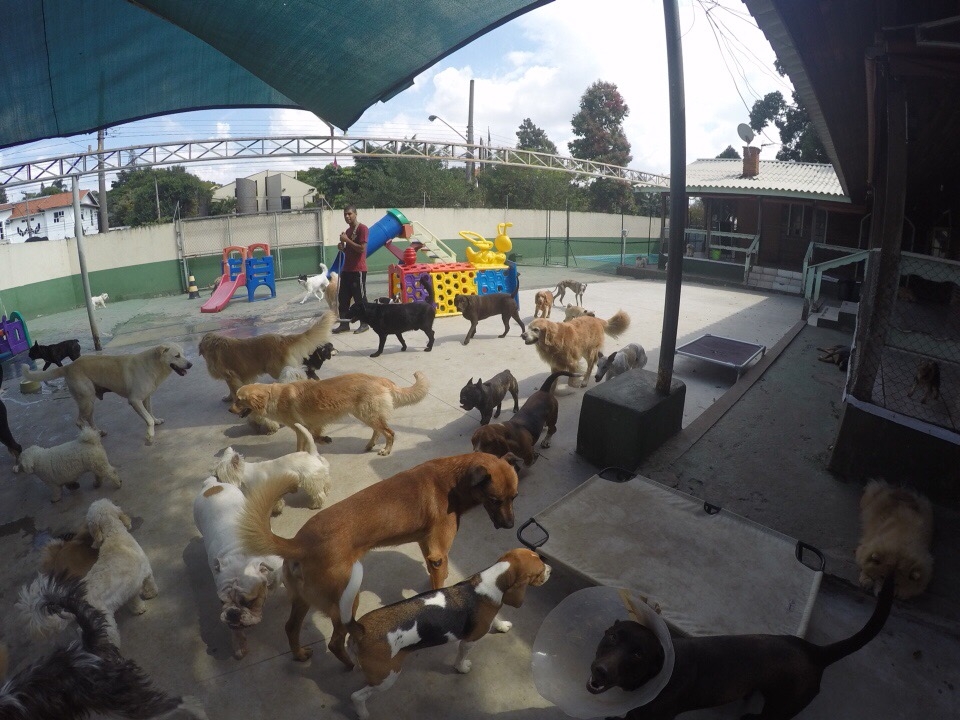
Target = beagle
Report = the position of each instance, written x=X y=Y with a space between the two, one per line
x=381 y=639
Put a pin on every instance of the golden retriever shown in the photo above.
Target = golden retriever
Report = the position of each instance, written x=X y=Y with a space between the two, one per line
x=240 y=361
x=134 y=377
x=897 y=528
x=317 y=403
x=562 y=345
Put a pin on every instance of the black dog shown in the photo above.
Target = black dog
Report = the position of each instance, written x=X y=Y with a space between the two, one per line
x=316 y=359
x=6 y=437
x=479 y=307
x=395 y=319
x=519 y=434
x=714 y=670
x=88 y=676
x=56 y=353
x=488 y=395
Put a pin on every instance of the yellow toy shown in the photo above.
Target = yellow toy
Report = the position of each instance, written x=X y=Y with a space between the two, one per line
x=485 y=255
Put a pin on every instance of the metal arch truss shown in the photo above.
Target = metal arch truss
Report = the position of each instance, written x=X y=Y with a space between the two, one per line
x=224 y=149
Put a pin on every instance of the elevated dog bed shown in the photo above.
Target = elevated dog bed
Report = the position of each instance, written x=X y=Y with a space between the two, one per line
x=736 y=354
x=711 y=571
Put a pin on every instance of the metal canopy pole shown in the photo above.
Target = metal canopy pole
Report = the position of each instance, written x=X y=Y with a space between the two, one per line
x=81 y=252
x=678 y=197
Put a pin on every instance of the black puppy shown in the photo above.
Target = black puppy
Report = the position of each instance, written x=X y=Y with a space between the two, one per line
x=395 y=319
x=315 y=360
x=519 y=434
x=6 y=437
x=715 y=670
x=488 y=395
x=56 y=353
x=479 y=307
x=88 y=676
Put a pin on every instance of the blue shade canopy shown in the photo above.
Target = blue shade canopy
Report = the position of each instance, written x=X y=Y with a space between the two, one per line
x=73 y=67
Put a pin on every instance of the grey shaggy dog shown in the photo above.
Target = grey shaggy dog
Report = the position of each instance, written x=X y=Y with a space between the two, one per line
x=87 y=676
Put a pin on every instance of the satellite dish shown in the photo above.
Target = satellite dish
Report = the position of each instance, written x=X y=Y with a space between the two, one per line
x=746 y=133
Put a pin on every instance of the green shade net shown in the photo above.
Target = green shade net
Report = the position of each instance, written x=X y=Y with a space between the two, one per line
x=73 y=67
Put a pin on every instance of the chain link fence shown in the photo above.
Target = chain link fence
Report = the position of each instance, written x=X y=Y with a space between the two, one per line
x=919 y=365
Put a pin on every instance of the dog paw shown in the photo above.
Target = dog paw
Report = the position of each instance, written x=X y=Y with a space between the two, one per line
x=148 y=440
x=376 y=354
x=158 y=421
x=464 y=342
x=501 y=626
x=240 y=653
x=463 y=667
x=303 y=654
x=545 y=444
x=383 y=452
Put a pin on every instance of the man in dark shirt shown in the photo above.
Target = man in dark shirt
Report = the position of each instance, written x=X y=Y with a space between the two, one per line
x=353 y=273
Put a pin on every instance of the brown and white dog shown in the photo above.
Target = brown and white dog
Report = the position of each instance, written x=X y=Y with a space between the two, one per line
x=382 y=639
x=240 y=361
x=543 y=302
x=519 y=434
x=927 y=379
x=317 y=403
x=422 y=505
x=562 y=345
x=897 y=528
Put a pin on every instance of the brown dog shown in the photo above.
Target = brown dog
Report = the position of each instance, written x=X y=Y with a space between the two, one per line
x=467 y=611
x=240 y=361
x=715 y=670
x=520 y=433
x=479 y=307
x=897 y=532
x=73 y=555
x=422 y=505
x=562 y=345
x=927 y=379
x=543 y=301
x=317 y=403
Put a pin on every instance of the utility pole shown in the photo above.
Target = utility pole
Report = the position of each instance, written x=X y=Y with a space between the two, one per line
x=156 y=189
x=102 y=188
x=82 y=257
x=470 y=137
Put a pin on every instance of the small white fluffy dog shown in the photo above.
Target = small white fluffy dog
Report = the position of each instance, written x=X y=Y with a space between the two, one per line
x=120 y=576
x=63 y=464
x=100 y=300
x=626 y=358
x=306 y=464
x=315 y=285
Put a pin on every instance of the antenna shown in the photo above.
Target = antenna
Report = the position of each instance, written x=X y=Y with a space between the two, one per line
x=746 y=133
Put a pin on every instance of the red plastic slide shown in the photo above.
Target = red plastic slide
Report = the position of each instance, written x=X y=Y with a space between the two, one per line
x=225 y=290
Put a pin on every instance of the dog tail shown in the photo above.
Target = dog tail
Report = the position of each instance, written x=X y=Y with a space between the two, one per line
x=829 y=654
x=548 y=383
x=47 y=598
x=52 y=373
x=324 y=269
x=89 y=436
x=312 y=338
x=305 y=441
x=254 y=530
x=350 y=592
x=618 y=324
x=413 y=394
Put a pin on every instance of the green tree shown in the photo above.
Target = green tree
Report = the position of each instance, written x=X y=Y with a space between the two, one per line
x=729 y=154
x=3 y=195
x=531 y=137
x=133 y=197
x=598 y=126
x=798 y=137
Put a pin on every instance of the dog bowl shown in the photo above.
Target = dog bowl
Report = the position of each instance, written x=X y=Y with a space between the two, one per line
x=28 y=387
x=566 y=645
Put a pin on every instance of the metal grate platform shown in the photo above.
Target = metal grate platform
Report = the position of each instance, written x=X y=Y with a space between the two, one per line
x=736 y=354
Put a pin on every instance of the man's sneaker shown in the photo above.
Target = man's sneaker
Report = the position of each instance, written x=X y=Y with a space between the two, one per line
x=363 y=328
x=341 y=328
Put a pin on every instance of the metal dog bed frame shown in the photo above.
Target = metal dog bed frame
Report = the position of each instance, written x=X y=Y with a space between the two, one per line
x=736 y=354
x=710 y=570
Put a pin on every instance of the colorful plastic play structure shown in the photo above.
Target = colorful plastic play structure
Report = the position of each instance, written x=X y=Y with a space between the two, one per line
x=243 y=267
x=14 y=336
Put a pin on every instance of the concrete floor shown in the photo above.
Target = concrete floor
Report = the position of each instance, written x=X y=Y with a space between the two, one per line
x=906 y=673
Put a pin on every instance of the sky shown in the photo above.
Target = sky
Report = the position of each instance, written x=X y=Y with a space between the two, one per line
x=537 y=66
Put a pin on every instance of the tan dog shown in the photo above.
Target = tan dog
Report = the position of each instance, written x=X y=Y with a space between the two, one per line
x=422 y=505
x=543 y=301
x=317 y=403
x=74 y=556
x=467 y=611
x=240 y=361
x=573 y=311
x=562 y=345
x=897 y=528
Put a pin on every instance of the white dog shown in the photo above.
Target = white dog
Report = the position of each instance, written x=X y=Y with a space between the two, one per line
x=242 y=580
x=315 y=285
x=626 y=358
x=120 y=576
x=311 y=470
x=100 y=300
x=63 y=464
x=134 y=377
